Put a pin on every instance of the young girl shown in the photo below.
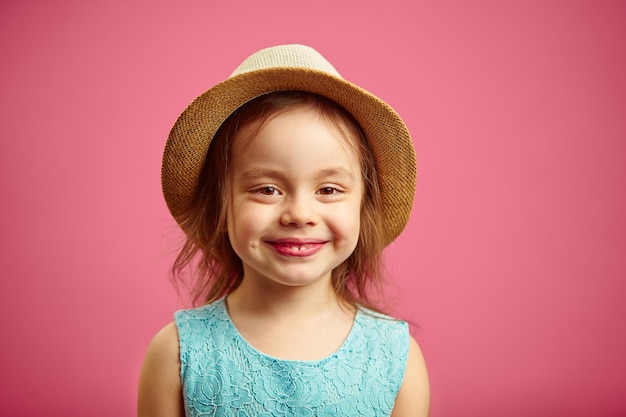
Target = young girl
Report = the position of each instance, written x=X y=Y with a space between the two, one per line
x=288 y=182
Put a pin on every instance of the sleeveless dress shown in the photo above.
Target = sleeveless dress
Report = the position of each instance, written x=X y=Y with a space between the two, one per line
x=223 y=375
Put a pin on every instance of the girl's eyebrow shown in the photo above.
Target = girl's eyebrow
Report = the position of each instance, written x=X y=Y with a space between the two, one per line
x=258 y=172
x=336 y=172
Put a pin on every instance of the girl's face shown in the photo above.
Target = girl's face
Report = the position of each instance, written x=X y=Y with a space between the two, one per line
x=294 y=199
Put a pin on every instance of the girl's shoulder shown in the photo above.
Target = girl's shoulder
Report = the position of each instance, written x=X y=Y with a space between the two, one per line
x=374 y=319
x=203 y=314
x=216 y=308
x=194 y=324
x=159 y=385
x=382 y=335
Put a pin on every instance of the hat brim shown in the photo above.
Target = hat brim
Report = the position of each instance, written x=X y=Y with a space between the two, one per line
x=387 y=134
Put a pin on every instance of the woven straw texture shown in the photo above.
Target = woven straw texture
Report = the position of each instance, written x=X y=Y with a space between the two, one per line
x=283 y=68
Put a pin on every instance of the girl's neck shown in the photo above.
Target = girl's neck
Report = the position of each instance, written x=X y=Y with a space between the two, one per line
x=292 y=303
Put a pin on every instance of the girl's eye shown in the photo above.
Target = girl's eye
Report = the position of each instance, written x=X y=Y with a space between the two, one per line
x=267 y=190
x=328 y=191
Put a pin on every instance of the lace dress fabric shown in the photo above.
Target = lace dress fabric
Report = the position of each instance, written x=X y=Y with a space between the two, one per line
x=223 y=375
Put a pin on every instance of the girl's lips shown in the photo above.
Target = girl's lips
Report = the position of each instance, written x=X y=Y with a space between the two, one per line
x=297 y=248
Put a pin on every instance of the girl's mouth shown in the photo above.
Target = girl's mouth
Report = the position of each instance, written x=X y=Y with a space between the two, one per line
x=295 y=248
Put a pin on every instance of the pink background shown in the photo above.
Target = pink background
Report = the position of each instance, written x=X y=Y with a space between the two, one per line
x=513 y=265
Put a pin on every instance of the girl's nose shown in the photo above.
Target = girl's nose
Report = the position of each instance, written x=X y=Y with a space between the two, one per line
x=298 y=211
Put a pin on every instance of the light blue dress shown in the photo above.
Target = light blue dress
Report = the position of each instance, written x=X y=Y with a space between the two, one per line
x=223 y=375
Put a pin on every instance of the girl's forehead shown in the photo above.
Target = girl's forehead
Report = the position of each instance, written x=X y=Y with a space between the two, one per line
x=296 y=129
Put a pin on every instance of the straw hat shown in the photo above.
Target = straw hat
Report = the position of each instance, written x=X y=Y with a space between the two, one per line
x=282 y=68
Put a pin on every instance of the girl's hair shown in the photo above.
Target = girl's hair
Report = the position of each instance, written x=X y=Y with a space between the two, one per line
x=216 y=268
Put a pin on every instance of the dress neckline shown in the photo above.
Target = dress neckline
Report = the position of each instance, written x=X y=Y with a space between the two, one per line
x=344 y=345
